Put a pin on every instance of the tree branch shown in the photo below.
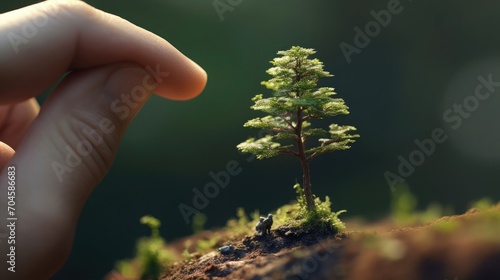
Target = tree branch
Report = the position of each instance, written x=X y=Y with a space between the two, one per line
x=289 y=123
x=287 y=151
x=315 y=154
x=333 y=140
x=308 y=117
x=280 y=129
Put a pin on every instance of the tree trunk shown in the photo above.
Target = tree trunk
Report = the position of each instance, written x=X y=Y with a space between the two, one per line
x=306 y=184
x=306 y=177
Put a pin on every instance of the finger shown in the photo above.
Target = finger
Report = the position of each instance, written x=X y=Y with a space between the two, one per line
x=44 y=40
x=67 y=150
x=6 y=153
x=15 y=120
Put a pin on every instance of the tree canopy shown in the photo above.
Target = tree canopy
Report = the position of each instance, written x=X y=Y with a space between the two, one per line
x=295 y=102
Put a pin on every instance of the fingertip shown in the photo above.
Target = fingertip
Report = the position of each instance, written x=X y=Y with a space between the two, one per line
x=6 y=153
x=202 y=81
x=197 y=84
x=183 y=85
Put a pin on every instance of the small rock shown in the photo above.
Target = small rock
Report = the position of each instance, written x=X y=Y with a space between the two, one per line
x=207 y=257
x=226 y=249
x=233 y=265
x=289 y=233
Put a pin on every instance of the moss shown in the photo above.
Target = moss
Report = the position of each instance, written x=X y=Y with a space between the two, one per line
x=446 y=226
x=320 y=218
x=295 y=214
x=286 y=214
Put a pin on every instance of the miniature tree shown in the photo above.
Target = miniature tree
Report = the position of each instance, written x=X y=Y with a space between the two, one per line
x=295 y=102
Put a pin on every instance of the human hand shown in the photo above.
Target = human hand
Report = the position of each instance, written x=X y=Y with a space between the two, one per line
x=61 y=151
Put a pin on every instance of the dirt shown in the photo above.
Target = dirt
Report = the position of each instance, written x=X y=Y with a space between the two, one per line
x=453 y=248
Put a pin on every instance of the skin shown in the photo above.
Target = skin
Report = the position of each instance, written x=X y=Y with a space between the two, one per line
x=107 y=57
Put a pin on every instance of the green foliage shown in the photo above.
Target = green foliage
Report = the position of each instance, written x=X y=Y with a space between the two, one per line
x=482 y=204
x=318 y=218
x=207 y=245
x=186 y=255
x=287 y=214
x=242 y=224
x=446 y=226
x=151 y=256
x=295 y=101
x=240 y=221
x=481 y=221
x=432 y=212
x=403 y=205
x=294 y=214
x=202 y=245
x=404 y=208
x=153 y=224
x=199 y=221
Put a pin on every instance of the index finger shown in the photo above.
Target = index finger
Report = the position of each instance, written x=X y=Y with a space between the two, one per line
x=41 y=42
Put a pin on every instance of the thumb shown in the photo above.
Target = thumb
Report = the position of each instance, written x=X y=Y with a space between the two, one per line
x=67 y=151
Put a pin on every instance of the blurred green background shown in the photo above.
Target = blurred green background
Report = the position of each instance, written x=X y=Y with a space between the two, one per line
x=428 y=58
